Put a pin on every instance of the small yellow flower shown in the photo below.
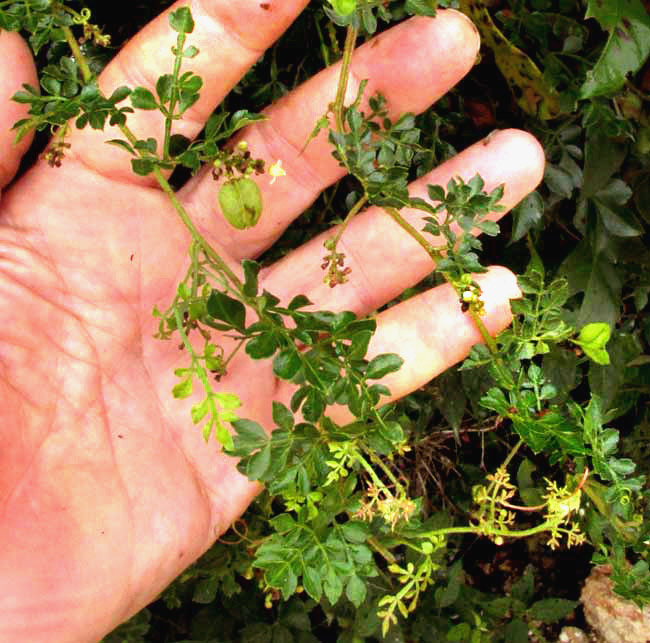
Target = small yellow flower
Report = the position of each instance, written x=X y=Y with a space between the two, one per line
x=276 y=170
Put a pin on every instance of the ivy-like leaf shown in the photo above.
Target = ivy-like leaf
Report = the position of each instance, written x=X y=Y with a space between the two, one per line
x=627 y=47
x=527 y=216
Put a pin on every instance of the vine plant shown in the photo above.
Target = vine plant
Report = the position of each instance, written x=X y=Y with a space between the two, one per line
x=346 y=515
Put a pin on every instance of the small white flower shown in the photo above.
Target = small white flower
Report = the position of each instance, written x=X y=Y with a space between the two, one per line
x=276 y=170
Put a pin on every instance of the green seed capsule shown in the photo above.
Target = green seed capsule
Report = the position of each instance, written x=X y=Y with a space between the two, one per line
x=241 y=202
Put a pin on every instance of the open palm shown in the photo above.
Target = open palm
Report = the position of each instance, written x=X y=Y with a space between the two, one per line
x=106 y=490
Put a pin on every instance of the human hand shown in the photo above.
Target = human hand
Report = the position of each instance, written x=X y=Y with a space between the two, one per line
x=106 y=491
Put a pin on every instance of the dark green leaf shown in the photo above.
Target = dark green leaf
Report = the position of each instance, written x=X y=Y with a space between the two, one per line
x=359 y=344
x=313 y=406
x=599 y=280
x=221 y=306
x=206 y=590
x=516 y=632
x=251 y=270
x=262 y=346
x=258 y=464
x=164 y=87
x=181 y=20
x=142 y=98
x=450 y=398
x=178 y=144
x=421 y=7
x=527 y=216
x=459 y=633
x=142 y=167
x=603 y=157
x=299 y=301
x=190 y=83
x=242 y=118
x=282 y=416
x=250 y=431
x=287 y=363
x=51 y=85
x=382 y=365
x=123 y=144
x=89 y=93
x=524 y=588
x=550 y=610
x=120 y=94
x=214 y=125
x=446 y=596
x=146 y=145
x=495 y=400
x=626 y=49
x=558 y=180
x=391 y=431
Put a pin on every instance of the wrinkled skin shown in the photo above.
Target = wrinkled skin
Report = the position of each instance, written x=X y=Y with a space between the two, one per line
x=107 y=491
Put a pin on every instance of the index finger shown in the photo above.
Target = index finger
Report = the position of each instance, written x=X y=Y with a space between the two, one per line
x=230 y=36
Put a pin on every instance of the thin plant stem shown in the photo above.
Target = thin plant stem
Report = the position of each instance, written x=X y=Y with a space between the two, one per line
x=173 y=99
x=196 y=235
x=78 y=55
x=350 y=215
x=350 y=42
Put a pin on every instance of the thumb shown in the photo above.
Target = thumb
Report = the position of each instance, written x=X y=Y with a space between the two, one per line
x=21 y=69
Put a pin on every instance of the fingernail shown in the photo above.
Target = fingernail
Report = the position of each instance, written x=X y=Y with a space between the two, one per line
x=474 y=29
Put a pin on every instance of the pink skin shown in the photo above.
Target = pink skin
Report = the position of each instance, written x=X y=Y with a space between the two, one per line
x=107 y=491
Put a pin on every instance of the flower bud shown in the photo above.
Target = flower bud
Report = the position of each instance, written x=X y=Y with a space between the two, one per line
x=241 y=202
